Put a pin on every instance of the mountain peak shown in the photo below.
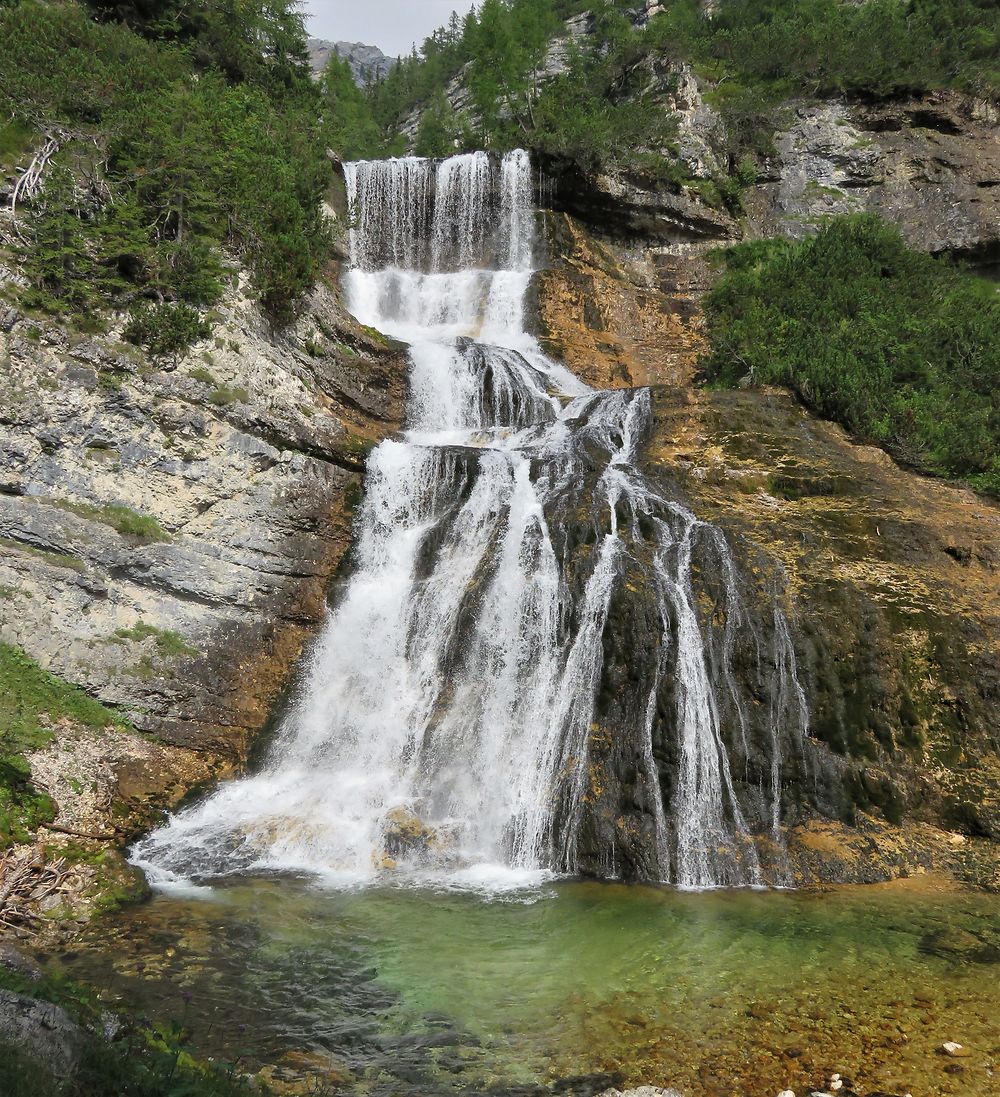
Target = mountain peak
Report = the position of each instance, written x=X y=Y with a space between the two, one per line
x=365 y=61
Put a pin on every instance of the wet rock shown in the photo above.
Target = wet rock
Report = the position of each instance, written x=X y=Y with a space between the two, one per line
x=44 y=1029
x=641 y=1091
x=955 y=943
x=406 y=835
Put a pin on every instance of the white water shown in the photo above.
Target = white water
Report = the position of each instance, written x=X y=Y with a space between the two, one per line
x=457 y=676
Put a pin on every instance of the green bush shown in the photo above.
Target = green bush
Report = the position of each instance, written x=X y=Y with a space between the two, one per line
x=196 y=130
x=899 y=347
x=166 y=330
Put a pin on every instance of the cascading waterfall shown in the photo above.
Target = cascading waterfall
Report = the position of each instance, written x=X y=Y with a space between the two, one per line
x=447 y=712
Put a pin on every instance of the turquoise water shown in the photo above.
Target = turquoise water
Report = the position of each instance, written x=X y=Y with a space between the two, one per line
x=399 y=991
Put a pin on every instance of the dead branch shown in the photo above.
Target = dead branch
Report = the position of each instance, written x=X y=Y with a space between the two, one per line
x=25 y=880
x=28 y=186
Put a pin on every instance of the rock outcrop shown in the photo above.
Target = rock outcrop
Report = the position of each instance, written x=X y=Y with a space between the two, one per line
x=929 y=165
x=43 y=1029
x=169 y=530
x=891 y=582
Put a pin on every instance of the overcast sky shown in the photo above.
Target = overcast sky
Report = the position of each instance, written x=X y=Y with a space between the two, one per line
x=392 y=25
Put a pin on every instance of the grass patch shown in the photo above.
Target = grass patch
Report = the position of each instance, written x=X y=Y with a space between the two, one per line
x=56 y=559
x=224 y=395
x=27 y=694
x=124 y=520
x=168 y=642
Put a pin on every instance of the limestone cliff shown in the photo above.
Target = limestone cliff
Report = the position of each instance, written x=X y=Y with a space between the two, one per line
x=169 y=530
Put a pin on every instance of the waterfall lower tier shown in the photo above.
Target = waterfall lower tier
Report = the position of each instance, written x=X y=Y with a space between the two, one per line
x=539 y=663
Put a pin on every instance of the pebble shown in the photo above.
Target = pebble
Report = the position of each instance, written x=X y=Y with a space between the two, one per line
x=956 y=1051
x=786 y=1093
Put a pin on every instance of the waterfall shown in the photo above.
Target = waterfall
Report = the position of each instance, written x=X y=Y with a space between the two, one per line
x=445 y=722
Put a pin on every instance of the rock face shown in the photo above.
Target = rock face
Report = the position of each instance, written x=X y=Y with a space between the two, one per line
x=43 y=1029
x=891 y=583
x=931 y=166
x=168 y=532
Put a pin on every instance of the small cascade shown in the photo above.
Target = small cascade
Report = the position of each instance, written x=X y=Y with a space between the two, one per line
x=462 y=718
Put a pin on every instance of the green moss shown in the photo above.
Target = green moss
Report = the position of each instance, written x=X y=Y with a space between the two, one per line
x=124 y=520
x=168 y=642
x=30 y=699
x=27 y=692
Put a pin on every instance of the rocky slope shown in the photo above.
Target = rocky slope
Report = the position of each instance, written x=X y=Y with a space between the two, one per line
x=892 y=580
x=930 y=165
x=169 y=530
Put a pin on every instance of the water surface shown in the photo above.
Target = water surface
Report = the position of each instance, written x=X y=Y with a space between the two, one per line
x=412 y=991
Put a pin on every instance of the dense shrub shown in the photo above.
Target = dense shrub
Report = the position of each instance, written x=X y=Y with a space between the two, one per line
x=189 y=131
x=900 y=347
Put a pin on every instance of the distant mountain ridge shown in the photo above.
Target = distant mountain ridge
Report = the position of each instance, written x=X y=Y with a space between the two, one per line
x=366 y=62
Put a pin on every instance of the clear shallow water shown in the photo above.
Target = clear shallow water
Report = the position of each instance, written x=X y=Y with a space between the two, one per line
x=411 y=991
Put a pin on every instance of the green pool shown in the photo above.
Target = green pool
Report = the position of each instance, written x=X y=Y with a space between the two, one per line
x=423 y=992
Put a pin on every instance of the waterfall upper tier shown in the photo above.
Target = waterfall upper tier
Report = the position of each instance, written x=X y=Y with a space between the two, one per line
x=458 y=715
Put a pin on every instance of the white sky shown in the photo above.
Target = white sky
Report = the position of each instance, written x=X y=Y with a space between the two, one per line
x=392 y=25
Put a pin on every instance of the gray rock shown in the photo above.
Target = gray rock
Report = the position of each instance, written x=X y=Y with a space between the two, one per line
x=42 y=1028
x=252 y=495
x=14 y=960
x=931 y=166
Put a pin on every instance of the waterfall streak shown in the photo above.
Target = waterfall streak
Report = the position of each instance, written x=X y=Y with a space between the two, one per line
x=444 y=722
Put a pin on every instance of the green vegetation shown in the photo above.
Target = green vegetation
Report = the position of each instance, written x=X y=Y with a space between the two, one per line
x=16 y=138
x=203 y=375
x=224 y=395
x=755 y=53
x=124 y=520
x=825 y=47
x=899 y=347
x=165 y=330
x=56 y=559
x=27 y=694
x=189 y=134
x=168 y=642
x=596 y=111
x=348 y=120
x=138 y=1061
